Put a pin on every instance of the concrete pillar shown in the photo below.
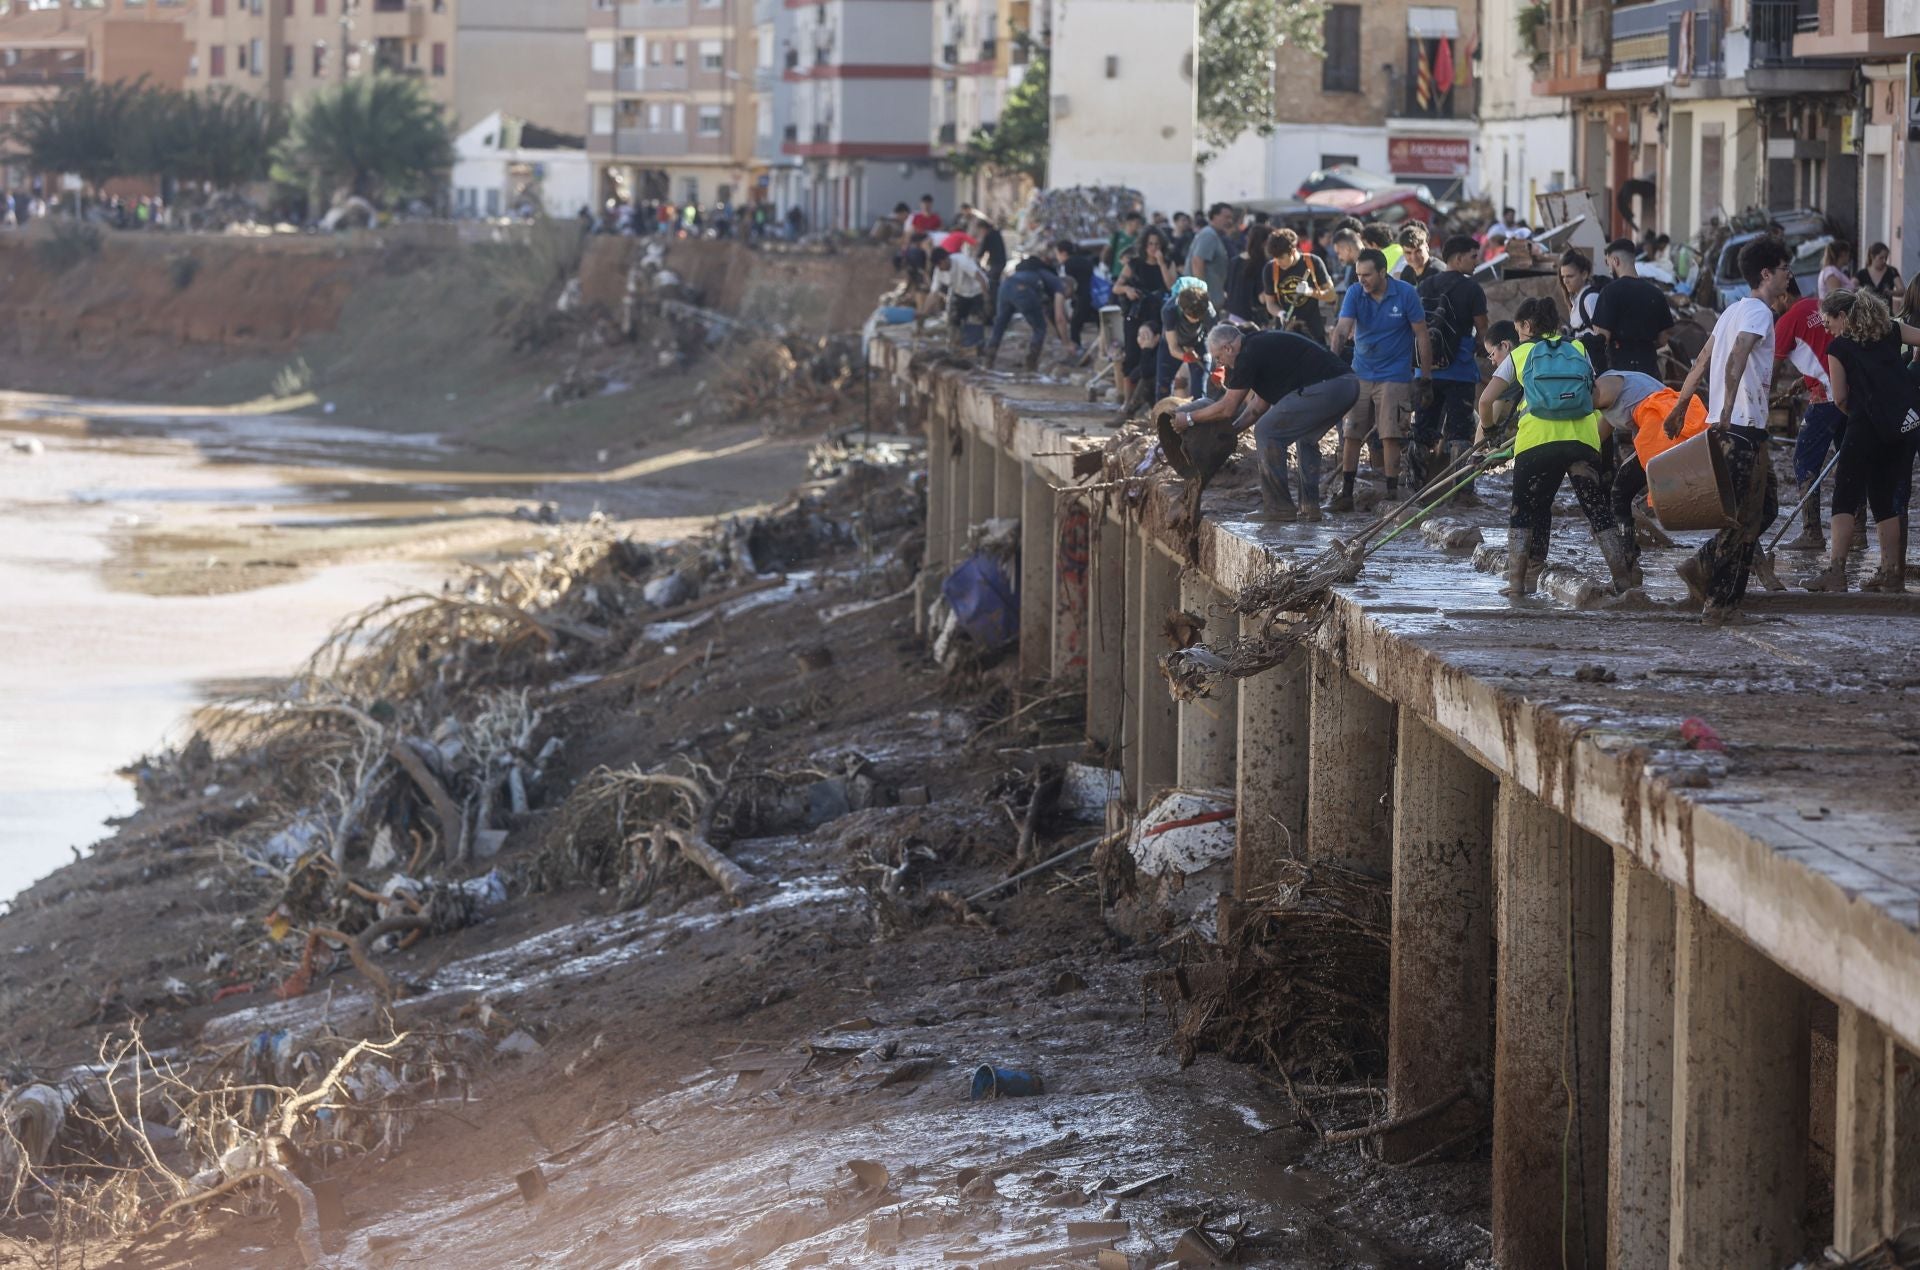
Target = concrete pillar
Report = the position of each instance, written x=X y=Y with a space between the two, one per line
x=1904 y=1205
x=1074 y=535
x=1156 y=734
x=1135 y=649
x=1740 y=1055
x=940 y=490
x=1553 y=888
x=1036 y=575
x=1009 y=484
x=1208 y=727
x=1107 y=663
x=982 y=465
x=1640 y=1068
x=1271 y=802
x=1863 y=1134
x=1438 y=1005
x=960 y=500
x=1349 y=770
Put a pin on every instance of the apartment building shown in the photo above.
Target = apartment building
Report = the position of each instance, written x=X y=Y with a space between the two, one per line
x=781 y=177
x=1123 y=97
x=1526 y=135
x=523 y=59
x=1395 y=92
x=671 y=100
x=862 y=114
x=1704 y=110
x=46 y=45
x=283 y=50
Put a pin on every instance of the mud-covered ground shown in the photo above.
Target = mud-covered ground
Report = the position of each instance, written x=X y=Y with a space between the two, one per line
x=701 y=1073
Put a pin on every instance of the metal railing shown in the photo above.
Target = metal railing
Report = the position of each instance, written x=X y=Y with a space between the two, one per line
x=1772 y=24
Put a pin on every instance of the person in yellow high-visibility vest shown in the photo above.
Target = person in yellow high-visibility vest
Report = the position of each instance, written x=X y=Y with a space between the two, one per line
x=1556 y=438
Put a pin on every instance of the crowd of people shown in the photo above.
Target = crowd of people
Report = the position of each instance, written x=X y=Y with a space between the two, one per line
x=1230 y=312
x=722 y=219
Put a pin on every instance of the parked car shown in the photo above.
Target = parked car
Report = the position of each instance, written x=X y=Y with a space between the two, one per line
x=1807 y=237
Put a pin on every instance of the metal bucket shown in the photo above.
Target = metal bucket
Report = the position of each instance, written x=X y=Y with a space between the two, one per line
x=1688 y=485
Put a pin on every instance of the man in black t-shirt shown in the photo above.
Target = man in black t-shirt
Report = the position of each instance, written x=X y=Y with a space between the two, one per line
x=1631 y=314
x=1291 y=392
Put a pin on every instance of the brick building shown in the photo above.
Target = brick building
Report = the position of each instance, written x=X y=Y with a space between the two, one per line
x=283 y=50
x=49 y=45
x=1395 y=93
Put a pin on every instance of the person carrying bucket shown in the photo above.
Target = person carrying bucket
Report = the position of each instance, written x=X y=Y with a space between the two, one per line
x=1556 y=438
x=1636 y=406
x=1736 y=369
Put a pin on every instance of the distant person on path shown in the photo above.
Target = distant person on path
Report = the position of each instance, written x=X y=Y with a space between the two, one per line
x=1291 y=392
x=1801 y=337
x=1868 y=374
x=1736 y=367
x=1037 y=294
x=1632 y=314
x=1879 y=274
x=1207 y=258
x=1417 y=263
x=1635 y=407
x=959 y=277
x=926 y=220
x=1185 y=319
x=1582 y=291
x=1456 y=313
x=1296 y=284
x=1244 y=277
x=1836 y=268
x=1383 y=319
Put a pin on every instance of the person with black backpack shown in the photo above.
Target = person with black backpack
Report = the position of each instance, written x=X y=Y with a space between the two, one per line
x=1456 y=322
x=1556 y=438
x=1869 y=382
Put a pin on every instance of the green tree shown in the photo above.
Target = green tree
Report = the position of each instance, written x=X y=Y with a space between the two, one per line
x=220 y=138
x=376 y=136
x=84 y=129
x=1018 y=143
x=1239 y=42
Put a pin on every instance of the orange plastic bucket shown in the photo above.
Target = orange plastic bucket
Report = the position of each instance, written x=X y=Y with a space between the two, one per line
x=1689 y=487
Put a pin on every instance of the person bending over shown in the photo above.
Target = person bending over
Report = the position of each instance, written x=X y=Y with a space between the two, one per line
x=1291 y=392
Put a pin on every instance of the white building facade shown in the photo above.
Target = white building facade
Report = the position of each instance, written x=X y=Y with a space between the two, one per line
x=1124 y=97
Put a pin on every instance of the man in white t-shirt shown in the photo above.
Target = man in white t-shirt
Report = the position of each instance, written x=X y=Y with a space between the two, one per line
x=965 y=284
x=1737 y=365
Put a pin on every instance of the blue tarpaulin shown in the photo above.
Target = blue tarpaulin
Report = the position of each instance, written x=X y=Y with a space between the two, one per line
x=986 y=607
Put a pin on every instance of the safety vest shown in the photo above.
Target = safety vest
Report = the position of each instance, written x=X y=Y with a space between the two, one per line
x=1532 y=431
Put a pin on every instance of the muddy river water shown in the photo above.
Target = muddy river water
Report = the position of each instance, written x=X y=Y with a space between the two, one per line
x=122 y=603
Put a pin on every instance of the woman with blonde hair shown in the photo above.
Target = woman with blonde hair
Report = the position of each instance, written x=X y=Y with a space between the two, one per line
x=1869 y=382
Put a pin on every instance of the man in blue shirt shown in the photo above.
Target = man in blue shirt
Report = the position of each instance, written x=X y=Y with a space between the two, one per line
x=1456 y=309
x=1037 y=294
x=1383 y=318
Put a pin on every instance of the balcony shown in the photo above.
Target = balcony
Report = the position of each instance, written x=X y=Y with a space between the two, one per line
x=989 y=49
x=1575 y=47
x=37 y=76
x=650 y=145
x=394 y=19
x=643 y=15
x=651 y=79
x=791 y=132
x=1772 y=67
x=949 y=54
x=949 y=133
x=1856 y=29
x=793 y=59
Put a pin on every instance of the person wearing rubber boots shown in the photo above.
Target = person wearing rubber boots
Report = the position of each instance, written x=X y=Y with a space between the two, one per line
x=1291 y=392
x=1381 y=316
x=1556 y=438
x=1736 y=368
x=1443 y=415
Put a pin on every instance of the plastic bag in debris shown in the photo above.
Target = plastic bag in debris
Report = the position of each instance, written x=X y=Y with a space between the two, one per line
x=486 y=891
x=32 y=1116
x=1085 y=791
x=298 y=838
x=1185 y=832
x=982 y=602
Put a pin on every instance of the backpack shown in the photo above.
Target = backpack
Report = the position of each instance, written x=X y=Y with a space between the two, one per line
x=1447 y=324
x=1557 y=380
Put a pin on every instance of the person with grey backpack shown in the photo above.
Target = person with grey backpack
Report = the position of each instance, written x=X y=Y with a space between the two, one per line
x=1557 y=438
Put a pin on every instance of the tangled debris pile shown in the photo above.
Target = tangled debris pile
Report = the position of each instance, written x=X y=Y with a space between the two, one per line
x=1300 y=983
x=360 y=808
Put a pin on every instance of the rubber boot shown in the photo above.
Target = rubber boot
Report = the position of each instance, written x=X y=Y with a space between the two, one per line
x=1522 y=573
x=1811 y=536
x=1626 y=574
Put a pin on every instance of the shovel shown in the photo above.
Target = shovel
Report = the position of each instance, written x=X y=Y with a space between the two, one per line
x=1763 y=559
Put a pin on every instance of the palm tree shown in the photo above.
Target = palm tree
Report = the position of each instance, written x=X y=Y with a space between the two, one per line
x=378 y=137
x=83 y=130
